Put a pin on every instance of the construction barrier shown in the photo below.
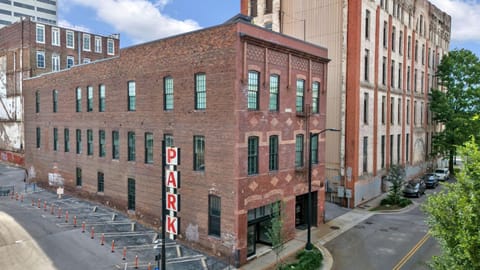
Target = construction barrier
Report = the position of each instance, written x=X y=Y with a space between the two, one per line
x=124 y=253
x=92 y=232
x=113 y=246
x=102 y=241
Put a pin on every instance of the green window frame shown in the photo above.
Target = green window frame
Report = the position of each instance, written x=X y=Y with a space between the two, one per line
x=115 y=144
x=315 y=97
x=132 y=96
x=102 y=146
x=300 y=98
x=131 y=146
x=131 y=194
x=55 y=100
x=101 y=98
x=79 y=141
x=252 y=155
x=89 y=142
x=55 y=139
x=89 y=98
x=314 y=156
x=79 y=177
x=78 y=96
x=200 y=91
x=273 y=153
x=214 y=215
x=199 y=153
x=274 y=90
x=39 y=134
x=253 y=89
x=168 y=93
x=66 y=140
x=100 y=182
x=149 y=148
x=168 y=138
x=37 y=101
x=299 y=159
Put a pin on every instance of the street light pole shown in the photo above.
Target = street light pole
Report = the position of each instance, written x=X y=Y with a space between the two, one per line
x=309 y=202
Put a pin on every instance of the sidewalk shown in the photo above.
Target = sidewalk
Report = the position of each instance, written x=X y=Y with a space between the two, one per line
x=342 y=220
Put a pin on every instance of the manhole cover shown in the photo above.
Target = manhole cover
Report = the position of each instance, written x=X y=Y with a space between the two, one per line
x=334 y=227
x=369 y=222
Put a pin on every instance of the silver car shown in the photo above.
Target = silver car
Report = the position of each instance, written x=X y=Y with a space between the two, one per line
x=442 y=174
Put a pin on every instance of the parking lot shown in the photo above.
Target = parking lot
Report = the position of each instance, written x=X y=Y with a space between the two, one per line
x=131 y=244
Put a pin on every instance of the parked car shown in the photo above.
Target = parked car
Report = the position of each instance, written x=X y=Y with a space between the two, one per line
x=442 y=174
x=431 y=180
x=415 y=188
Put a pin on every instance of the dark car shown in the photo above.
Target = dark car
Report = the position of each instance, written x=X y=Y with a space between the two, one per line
x=415 y=188
x=431 y=180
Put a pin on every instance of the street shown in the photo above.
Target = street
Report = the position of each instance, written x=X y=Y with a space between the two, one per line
x=386 y=241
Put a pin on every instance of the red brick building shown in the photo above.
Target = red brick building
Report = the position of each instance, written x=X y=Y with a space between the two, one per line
x=234 y=98
x=28 y=49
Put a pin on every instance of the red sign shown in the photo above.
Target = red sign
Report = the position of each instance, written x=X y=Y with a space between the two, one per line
x=172 y=156
x=171 y=225
x=172 y=202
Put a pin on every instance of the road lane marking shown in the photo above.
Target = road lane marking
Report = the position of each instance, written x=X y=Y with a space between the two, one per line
x=415 y=248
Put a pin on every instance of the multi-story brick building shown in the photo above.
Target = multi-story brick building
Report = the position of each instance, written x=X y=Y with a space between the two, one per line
x=27 y=49
x=384 y=56
x=43 y=11
x=234 y=98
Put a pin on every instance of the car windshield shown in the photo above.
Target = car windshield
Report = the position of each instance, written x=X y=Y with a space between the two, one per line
x=440 y=171
x=412 y=185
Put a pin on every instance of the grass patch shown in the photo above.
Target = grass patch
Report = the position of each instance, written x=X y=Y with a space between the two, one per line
x=305 y=260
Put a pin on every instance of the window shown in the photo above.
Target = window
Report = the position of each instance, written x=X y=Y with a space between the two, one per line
x=37 y=101
x=198 y=153
x=415 y=113
x=40 y=30
x=115 y=145
x=393 y=38
x=416 y=50
x=110 y=47
x=253 y=85
x=422 y=82
x=79 y=141
x=400 y=43
x=408 y=112
x=383 y=109
x=55 y=62
x=408 y=78
x=398 y=148
x=399 y=82
x=79 y=99
x=367 y=24
x=274 y=87
x=399 y=111
x=214 y=214
x=423 y=54
x=98 y=44
x=407 y=146
x=365 y=108
x=200 y=92
x=131 y=96
x=89 y=142
x=168 y=138
x=365 y=154
x=314 y=150
x=86 y=42
x=384 y=71
x=39 y=134
x=66 y=140
x=392 y=109
x=102 y=148
x=70 y=61
x=299 y=151
x=252 y=155
x=79 y=177
x=385 y=39
x=131 y=194
x=315 y=97
x=300 y=102
x=100 y=182
x=382 y=149
x=391 y=148
x=101 y=98
x=366 y=64
x=392 y=74
x=273 y=153
x=55 y=100
x=131 y=146
x=89 y=98
x=55 y=36
x=40 y=59
x=268 y=6
x=168 y=93
x=421 y=113
x=70 y=40
x=415 y=78
x=86 y=60
x=269 y=26
x=409 y=46
x=149 y=148
x=55 y=139
x=253 y=8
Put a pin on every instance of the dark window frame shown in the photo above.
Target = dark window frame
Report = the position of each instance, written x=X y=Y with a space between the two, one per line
x=252 y=153
x=214 y=215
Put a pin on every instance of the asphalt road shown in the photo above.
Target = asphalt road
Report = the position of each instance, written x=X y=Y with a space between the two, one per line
x=386 y=241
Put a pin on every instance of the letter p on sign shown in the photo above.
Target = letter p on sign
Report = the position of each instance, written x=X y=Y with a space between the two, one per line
x=172 y=156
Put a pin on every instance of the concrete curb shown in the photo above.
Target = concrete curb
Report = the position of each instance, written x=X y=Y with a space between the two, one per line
x=327 y=262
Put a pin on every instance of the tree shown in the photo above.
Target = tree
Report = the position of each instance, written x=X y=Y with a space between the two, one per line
x=456 y=102
x=275 y=232
x=396 y=176
x=454 y=215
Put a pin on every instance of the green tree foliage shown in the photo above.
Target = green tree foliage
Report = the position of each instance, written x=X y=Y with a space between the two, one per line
x=454 y=215
x=275 y=233
x=396 y=176
x=456 y=103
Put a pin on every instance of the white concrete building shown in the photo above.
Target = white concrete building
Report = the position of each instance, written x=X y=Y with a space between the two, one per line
x=44 y=11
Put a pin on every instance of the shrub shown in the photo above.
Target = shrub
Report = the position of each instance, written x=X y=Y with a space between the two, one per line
x=306 y=260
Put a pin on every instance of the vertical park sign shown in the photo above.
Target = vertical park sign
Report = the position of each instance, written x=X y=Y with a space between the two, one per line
x=171 y=186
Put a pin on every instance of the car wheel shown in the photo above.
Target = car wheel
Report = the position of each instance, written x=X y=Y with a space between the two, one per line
x=418 y=195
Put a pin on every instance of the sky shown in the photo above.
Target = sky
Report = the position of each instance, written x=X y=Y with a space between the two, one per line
x=139 y=21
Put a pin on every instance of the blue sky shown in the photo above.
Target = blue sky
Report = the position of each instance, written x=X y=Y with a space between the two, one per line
x=139 y=21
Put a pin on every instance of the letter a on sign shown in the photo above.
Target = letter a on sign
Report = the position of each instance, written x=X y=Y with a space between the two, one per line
x=172 y=225
x=171 y=179
x=172 y=156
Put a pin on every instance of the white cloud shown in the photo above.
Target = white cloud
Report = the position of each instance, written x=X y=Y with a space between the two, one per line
x=140 y=20
x=465 y=14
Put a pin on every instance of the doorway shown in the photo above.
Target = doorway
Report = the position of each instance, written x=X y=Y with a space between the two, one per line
x=301 y=208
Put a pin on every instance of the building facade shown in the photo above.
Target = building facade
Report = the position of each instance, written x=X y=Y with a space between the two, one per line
x=237 y=100
x=384 y=56
x=27 y=49
x=42 y=11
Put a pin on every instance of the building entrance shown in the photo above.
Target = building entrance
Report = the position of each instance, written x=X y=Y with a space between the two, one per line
x=301 y=208
x=259 y=222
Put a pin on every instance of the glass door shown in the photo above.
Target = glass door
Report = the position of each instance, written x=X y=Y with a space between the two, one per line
x=251 y=239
